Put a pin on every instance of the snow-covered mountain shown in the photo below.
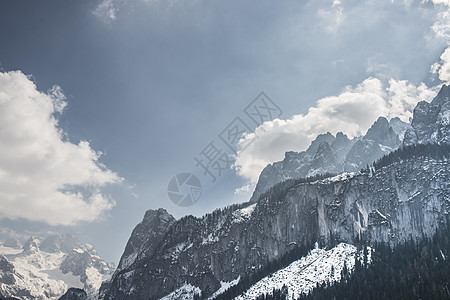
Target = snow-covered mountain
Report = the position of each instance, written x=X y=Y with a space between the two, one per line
x=330 y=154
x=44 y=268
x=405 y=197
x=431 y=122
x=301 y=276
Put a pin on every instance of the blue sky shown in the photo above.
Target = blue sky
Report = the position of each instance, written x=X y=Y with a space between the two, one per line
x=151 y=83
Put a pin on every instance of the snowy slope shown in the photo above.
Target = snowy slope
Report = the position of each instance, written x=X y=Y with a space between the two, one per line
x=300 y=277
x=304 y=274
x=186 y=292
x=39 y=274
x=224 y=286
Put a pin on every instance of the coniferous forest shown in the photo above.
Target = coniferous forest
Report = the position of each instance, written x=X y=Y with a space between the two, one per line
x=412 y=270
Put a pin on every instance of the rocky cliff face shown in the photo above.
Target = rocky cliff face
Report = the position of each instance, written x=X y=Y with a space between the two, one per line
x=392 y=204
x=431 y=122
x=146 y=236
x=408 y=198
x=399 y=127
x=144 y=240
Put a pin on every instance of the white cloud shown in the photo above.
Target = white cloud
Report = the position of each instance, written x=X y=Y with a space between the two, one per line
x=332 y=16
x=244 y=190
x=43 y=176
x=403 y=97
x=106 y=11
x=441 y=27
x=445 y=2
x=434 y=68
x=444 y=67
x=442 y=30
x=352 y=112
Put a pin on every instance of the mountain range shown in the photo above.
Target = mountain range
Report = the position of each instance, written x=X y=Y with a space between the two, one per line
x=311 y=218
x=294 y=207
x=44 y=268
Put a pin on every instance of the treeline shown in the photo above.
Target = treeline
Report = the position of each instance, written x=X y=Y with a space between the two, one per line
x=412 y=270
x=401 y=265
x=436 y=151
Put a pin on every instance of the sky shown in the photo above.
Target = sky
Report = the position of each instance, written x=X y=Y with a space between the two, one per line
x=103 y=103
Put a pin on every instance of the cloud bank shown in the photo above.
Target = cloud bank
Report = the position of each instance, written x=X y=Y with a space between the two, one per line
x=106 y=11
x=441 y=29
x=353 y=111
x=43 y=176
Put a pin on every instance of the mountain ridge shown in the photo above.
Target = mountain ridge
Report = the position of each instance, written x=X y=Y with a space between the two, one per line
x=403 y=199
x=343 y=154
x=44 y=268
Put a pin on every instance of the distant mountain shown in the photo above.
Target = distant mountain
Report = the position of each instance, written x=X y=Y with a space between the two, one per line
x=44 y=268
x=329 y=154
x=306 y=163
x=399 y=127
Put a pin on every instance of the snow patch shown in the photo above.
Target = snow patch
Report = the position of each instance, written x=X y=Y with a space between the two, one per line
x=340 y=177
x=243 y=214
x=186 y=292
x=385 y=149
x=210 y=239
x=224 y=286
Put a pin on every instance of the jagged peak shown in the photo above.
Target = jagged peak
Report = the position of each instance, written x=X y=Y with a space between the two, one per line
x=324 y=148
x=430 y=123
x=443 y=95
x=156 y=213
x=381 y=122
x=341 y=141
x=61 y=242
x=399 y=127
x=291 y=155
x=341 y=136
x=324 y=137
x=32 y=244
x=381 y=132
